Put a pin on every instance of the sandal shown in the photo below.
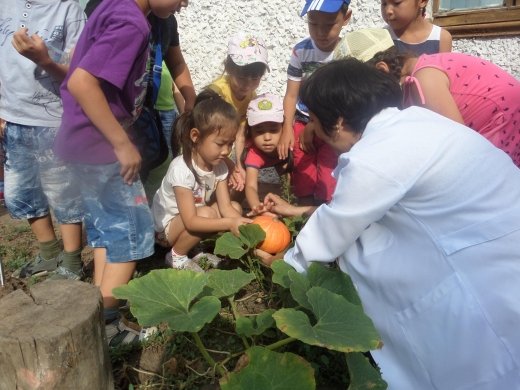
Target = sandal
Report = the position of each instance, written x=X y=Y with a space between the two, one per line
x=38 y=267
x=118 y=333
x=63 y=273
x=210 y=258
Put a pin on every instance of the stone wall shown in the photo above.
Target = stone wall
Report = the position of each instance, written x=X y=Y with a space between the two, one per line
x=205 y=27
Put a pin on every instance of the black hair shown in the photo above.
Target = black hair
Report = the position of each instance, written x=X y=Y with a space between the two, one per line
x=210 y=114
x=349 y=89
x=394 y=59
x=254 y=70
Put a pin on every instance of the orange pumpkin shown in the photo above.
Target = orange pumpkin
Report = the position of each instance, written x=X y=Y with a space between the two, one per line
x=277 y=236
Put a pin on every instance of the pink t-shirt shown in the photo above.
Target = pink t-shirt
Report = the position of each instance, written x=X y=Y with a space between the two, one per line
x=257 y=159
x=487 y=97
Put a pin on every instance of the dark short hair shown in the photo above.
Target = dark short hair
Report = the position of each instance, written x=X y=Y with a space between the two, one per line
x=349 y=89
x=254 y=70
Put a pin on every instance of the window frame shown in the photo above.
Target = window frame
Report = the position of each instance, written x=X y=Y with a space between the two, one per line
x=481 y=22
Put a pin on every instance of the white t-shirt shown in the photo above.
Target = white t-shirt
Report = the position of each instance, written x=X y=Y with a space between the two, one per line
x=164 y=207
x=28 y=95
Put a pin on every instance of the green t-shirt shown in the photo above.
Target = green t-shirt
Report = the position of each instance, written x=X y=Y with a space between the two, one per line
x=165 y=100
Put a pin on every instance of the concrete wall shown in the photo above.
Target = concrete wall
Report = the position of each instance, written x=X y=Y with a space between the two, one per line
x=205 y=27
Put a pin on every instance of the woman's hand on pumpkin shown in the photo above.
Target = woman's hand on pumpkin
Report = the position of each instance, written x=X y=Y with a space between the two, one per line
x=275 y=204
x=268 y=258
x=260 y=209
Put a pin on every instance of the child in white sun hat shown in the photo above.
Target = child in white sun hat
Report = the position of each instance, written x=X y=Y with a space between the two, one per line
x=244 y=67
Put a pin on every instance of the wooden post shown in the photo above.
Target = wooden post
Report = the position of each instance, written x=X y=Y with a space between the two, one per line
x=54 y=338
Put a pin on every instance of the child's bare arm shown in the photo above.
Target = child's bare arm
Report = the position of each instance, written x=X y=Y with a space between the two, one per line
x=240 y=143
x=445 y=43
x=289 y=107
x=86 y=89
x=435 y=86
x=196 y=224
x=33 y=47
x=181 y=76
x=251 y=189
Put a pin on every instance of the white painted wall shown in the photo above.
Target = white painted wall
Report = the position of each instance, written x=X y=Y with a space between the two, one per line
x=205 y=27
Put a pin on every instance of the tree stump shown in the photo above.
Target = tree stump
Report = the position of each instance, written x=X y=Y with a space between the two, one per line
x=54 y=338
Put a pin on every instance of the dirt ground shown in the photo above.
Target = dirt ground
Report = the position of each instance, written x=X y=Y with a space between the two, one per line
x=16 y=246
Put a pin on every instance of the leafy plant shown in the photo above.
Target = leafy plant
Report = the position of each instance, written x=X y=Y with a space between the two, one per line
x=325 y=312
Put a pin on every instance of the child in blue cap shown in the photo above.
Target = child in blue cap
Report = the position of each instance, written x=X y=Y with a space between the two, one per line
x=313 y=159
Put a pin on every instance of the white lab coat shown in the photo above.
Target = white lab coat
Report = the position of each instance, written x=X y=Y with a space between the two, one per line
x=426 y=220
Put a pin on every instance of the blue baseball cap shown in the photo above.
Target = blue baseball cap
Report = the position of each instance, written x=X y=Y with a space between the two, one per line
x=330 y=6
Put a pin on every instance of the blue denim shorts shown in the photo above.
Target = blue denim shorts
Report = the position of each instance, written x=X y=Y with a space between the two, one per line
x=117 y=215
x=35 y=178
x=167 y=119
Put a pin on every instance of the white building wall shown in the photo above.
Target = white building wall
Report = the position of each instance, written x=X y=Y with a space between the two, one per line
x=205 y=27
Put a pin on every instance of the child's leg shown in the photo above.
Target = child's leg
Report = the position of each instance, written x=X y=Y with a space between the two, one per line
x=182 y=240
x=119 y=226
x=58 y=184
x=304 y=171
x=327 y=159
x=109 y=276
x=24 y=196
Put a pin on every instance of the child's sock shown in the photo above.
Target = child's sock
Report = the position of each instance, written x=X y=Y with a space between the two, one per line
x=72 y=260
x=50 y=249
x=174 y=260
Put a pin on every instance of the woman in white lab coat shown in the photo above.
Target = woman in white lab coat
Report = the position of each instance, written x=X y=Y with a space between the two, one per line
x=426 y=220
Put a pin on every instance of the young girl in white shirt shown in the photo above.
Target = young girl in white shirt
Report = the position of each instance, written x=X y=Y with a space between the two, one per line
x=193 y=200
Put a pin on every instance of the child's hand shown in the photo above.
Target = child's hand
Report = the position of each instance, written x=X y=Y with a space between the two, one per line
x=236 y=222
x=306 y=139
x=130 y=160
x=286 y=143
x=32 y=47
x=260 y=209
x=237 y=180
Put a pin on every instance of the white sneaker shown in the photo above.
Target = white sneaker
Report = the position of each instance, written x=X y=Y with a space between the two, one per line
x=146 y=332
x=210 y=258
x=181 y=262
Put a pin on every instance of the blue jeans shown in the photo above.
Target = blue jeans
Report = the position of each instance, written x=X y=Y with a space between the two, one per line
x=167 y=119
x=35 y=178
x=117 y=216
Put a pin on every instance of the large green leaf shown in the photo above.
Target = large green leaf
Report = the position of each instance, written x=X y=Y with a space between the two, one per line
x=231 y=246
x=235 y=247
x=255 y=325
x=268 y=370
x=333 y=280
x=363 y=376
x=166 y=295
x=223 y=283
x=340 y=325
x=251 y=234
x=281 y=273
x=300 y=285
